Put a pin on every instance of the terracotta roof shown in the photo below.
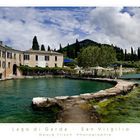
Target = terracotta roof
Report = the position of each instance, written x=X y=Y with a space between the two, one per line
x=42 y=52
x=31 y=51
x=9 y=48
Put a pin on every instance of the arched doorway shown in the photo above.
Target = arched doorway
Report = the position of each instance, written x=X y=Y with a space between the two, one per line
x=15 y=69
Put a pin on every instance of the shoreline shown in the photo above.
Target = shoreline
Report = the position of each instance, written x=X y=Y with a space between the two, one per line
x=77 y=108
x=69 y=104
x=31 y=77
x=120 y=86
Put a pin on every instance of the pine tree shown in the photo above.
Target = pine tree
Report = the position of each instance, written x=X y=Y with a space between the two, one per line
x=42 y=47
x=35 y=45
x=49 y=48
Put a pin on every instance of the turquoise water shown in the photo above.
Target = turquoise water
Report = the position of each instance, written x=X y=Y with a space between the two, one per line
x=16 y=96
x=131 y=76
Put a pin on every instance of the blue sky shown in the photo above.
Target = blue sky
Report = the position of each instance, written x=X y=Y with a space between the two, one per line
x=54 y=25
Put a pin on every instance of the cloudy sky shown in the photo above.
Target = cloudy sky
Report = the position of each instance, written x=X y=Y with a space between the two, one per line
x=52 y=26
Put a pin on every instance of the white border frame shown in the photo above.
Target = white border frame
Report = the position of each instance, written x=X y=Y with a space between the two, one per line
x=102 y=3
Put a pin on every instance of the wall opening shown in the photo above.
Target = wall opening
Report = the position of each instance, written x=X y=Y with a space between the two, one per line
x=15 y=69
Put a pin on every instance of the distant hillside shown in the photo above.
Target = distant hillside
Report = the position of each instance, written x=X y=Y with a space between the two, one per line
x=72 y=50
x=85 y=43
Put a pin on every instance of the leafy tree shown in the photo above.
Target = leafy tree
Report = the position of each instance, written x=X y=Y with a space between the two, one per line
x=96 y=56
x=42 y=47
x=73 y=50
x=35 y=45
x=76 y=47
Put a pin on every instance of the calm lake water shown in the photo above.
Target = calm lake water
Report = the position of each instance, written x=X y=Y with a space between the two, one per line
x=131 y=76
x=16 y=96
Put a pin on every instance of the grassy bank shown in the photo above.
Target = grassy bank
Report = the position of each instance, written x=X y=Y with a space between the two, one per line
x=120 y=109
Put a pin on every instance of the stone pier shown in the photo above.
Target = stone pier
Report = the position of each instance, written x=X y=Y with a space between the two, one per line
x=76 y=109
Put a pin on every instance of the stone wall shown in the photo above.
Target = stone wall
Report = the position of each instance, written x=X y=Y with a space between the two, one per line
x=121 y=87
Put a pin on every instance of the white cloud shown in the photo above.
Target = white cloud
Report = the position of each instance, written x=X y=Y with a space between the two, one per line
x=20 y=25
x=63 y=25
x=115 y=27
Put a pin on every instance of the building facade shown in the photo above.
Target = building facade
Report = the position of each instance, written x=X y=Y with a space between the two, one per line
x=11 y=58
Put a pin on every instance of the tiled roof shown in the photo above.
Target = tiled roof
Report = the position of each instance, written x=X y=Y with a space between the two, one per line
x=42 y=52
x=31 y=51
x=9 y=48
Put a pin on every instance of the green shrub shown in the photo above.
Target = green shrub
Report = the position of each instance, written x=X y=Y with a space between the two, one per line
x=26 y=70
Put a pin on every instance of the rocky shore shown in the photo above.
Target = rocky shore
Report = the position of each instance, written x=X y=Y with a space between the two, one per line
x=76 y=109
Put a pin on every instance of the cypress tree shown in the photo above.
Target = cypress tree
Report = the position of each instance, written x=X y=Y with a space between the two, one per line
x=60 y=48
x=132 y=54
x=139 y=53
x=135 y=56
x=77 y=48
x=49 y=48
x=42 y=47
x=125 y=55
x=68 y=51
x=121 y=54
x=35 y=45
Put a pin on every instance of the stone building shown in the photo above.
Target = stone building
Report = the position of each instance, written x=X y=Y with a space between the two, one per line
x=11 y=58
